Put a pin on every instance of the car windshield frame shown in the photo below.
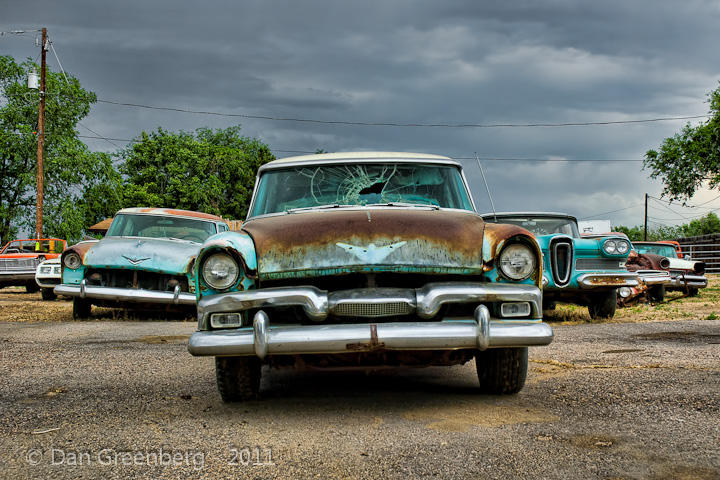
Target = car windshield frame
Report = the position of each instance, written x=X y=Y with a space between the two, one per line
x=653 y=248
x=522 y=220
x=120 y=227
x=359 y=185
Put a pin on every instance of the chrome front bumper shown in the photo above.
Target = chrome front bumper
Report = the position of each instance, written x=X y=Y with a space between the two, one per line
x=692 y=281
x=602 y=280
x=654 y=277
x=425 y=302
x=262 y=340
x=130 y=295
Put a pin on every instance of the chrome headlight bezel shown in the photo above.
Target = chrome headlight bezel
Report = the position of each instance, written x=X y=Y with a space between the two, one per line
x=521 y=253
x=220 y=271
x=616 y=246
x=72 y=261
x=622 y=246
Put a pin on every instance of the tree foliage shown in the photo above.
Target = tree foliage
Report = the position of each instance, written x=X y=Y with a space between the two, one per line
x=688 y=159
x=710 y=223
x=80 y=185
x=210 y=170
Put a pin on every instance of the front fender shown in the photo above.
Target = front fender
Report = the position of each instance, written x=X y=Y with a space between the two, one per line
x=496 y=236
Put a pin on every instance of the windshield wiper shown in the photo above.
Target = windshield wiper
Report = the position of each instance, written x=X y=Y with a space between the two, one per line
x=403 y=204
x=318 y=207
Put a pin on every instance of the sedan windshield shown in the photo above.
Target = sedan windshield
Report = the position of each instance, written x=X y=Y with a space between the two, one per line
x=156 y=226
x=664 y=250
x=541 y=225
x=409 y=184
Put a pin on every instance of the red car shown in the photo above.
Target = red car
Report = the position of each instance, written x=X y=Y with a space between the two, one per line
x=19 y=260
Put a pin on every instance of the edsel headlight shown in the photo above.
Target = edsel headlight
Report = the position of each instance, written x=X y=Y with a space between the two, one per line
x=220 y=271
x=517 y=261
x=616 y=247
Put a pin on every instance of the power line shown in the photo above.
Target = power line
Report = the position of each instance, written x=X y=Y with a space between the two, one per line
x=612 y=211
x=396 y=124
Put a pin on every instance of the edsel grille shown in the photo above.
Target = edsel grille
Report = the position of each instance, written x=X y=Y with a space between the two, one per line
x=561 y=254
x=18 y=264
x=372 y=309
x=599 y=264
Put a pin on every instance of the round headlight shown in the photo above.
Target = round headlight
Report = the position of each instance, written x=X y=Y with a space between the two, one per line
x=622 y=246
x=220 y=271
x=72 y=260
x=517 y=261
x=610 y=247
x=625 y=292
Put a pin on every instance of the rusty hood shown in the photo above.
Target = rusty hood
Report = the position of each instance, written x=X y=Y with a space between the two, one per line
x=151 y=254
x=411 y=240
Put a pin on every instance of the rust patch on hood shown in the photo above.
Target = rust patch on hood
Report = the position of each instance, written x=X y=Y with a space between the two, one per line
x=347 y=240
x=497 y=233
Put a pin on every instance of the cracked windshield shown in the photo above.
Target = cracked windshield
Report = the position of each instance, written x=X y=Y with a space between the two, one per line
x=359 y=185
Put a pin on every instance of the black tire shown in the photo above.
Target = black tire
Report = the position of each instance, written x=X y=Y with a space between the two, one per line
x=693 y=292
x=32 y=287
x=48 y=294
x=657 y=293
x=238 y=378
x=549 y=306
x=502 y=371
x=81 y=308
x=603 y=305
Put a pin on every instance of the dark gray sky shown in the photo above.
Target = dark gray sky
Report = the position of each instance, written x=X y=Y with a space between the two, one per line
x=408 y=62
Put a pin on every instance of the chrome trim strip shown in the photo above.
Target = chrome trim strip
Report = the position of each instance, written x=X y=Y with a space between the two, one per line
x=317 y=303
x=620 y=279
x=123 y=294
x=364 y=337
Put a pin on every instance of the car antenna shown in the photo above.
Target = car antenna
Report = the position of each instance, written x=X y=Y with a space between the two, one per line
x=492 y=204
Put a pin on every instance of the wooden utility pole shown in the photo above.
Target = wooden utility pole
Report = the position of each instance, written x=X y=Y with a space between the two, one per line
x=41 y=141
x=645 y=230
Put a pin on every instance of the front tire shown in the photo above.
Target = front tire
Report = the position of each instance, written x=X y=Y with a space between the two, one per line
x=48 y=294
x=502 y=371
x=657 y=293
x=81 y=309
x=692 y=292
x=603 y=305
x=31 y=287
x=238 y=378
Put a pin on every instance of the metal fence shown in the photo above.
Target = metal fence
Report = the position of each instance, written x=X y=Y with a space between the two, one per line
x=705 y=248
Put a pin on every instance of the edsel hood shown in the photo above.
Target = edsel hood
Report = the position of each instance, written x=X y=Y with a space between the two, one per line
x=152 y=254
x=411 y=240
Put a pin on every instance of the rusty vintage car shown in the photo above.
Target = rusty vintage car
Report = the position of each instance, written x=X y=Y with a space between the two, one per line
x=580 y=270
x=19 y=260
x=368 y=259
x=687 y=275
x=146 y=260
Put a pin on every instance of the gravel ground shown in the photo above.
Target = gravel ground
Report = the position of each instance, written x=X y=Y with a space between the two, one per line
x=108 y=399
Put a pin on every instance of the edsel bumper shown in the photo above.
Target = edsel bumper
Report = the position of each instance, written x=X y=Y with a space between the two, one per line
x=601 y=280
x=131 y=295
x=692 y=281
x=480 y=332
x=261 y=339
x=655 y=277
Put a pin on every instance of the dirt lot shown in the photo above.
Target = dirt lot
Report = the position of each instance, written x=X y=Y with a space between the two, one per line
x=638 y=397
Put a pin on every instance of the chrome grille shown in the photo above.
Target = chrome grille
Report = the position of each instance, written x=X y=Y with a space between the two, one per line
x=599 y=264
x=353 y=309
x=18 y=264
x=561 y=256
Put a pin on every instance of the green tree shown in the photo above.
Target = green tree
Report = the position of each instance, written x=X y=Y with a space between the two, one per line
x=80 y=185
x=688 y=159
x=210 y=170
x=710 y=223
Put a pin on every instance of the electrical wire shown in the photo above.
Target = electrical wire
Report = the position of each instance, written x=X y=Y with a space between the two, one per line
x=395 y=124
x=612 y=211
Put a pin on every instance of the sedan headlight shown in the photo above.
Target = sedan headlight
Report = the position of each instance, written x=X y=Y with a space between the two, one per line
x=517 y=261
x=616 y=247
x=72 y=260
x=220 y=271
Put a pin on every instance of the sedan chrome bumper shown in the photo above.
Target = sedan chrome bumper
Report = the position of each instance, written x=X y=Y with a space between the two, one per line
x=317 y=304
x=262 y=340
x=693 y=281
x=604 y=280
x=130 y=295
x=654 y=277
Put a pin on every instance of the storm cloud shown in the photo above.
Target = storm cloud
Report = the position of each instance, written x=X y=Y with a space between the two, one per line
x=407 y=62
